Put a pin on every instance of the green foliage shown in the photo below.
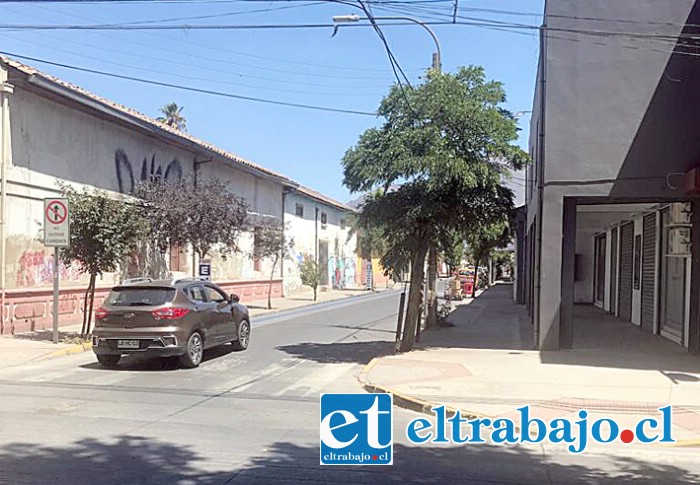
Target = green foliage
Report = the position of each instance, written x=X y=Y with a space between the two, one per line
x=310 y=272
x=483 y=240
x=370 y=238
x=206 y=216
x=104 y=230
x=446 y=143
x=453 y=249
x=452 y=126
x=172 y=116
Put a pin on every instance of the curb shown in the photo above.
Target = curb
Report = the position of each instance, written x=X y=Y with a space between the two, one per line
x=422 y=406
x=75 y=349
x=406 y=401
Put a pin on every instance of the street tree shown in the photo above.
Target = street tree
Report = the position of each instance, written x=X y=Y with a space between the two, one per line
x=207 y=217
x=483 y=240
x=452 y=248
x=310 y=273
x=442 y=142
x=271 y=242
x=172 y=116
x=104 y=232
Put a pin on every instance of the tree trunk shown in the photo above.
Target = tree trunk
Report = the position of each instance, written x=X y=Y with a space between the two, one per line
x=476 y=278
x=413 y=311
x=269 y=289
x=93 y=278
x=315 y=287
x=432 y=288
x=83 y=329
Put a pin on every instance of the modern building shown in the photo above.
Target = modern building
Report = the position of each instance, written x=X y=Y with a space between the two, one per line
x=613 y=218
x=53 y=131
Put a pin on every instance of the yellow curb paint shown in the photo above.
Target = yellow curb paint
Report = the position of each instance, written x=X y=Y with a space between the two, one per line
x=420 y=405
x=680 y=444
x=76 y=349
x=367 y=368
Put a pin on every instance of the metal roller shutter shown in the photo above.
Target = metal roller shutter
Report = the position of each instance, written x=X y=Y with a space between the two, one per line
x=613 y=271
x=648 y=271
x=626 y=268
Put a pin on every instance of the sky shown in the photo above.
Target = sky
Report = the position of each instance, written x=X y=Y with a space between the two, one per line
x=349 y=70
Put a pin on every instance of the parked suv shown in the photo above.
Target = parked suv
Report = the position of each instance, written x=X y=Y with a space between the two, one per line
x=168 y=318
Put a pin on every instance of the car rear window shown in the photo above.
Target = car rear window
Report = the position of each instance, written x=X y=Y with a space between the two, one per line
x=140 y=296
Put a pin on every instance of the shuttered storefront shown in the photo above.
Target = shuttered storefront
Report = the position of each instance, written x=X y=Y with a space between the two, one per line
x=648 y=271
x=613 y=271
x=626 y=266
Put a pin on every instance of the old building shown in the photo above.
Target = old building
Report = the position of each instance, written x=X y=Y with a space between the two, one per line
x=318 y=226
x=612 y=207
x=55 y=132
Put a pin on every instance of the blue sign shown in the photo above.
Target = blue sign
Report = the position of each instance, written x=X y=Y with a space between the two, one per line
x=356 y=429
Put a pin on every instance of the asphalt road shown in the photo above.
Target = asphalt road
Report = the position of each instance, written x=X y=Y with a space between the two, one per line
x=253 y=417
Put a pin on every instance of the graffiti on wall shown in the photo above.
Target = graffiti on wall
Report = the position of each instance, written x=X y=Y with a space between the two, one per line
x=36 y=268
x=341 y=271
x=150 y=171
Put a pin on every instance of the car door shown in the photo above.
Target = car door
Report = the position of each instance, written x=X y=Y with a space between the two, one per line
x=222 y=314
x=204 y=311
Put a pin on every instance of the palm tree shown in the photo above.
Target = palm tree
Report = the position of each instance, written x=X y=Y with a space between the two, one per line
x=173 y=116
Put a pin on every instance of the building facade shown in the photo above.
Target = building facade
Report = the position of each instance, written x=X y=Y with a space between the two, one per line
x=54 y=132
x=319 y=229
x=612 y=208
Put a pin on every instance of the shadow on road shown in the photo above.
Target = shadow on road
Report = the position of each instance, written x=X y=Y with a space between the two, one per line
x=341 y=352
x=47 y=336
x=137 y=362
x=139 y=460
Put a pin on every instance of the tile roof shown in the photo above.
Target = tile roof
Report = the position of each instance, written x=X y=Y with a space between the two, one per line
x=322 y=198
x=30 y=71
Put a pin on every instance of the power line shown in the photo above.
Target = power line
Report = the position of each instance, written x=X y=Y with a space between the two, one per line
x=190 y=88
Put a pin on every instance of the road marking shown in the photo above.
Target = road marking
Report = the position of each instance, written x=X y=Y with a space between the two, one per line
x=314 y=382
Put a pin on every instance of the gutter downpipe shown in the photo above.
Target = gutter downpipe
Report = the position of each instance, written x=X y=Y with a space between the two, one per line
x=540 y=182
x=5 y=90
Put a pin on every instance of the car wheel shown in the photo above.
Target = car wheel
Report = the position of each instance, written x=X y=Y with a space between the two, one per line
x=194 y=351
x=241 y=343
x=109 y=361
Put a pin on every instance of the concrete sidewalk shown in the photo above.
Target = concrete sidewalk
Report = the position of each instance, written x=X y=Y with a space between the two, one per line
x=486 y=366
x=33 y=346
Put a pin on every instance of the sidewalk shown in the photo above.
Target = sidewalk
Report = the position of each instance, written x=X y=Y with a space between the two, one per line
x=486 y=366
x=33 y=346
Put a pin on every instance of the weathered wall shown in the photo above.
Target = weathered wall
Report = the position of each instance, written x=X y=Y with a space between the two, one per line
x=341 y=264
x=52 y=142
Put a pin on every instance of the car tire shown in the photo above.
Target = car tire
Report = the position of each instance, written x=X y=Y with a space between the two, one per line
x=241 y=343
x=109 y=361
x=194 y=351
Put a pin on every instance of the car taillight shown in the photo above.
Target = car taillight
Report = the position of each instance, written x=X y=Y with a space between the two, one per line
x=100 y=313
x=170 y=313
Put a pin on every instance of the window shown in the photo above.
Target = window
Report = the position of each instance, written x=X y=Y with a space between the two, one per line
x=178 y=259
x=215 y=295
x=140 y=296
x=197 y=294
x=324 y=220
x=299 y=210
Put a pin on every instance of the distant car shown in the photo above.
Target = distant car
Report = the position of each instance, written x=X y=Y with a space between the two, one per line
x=168 y=318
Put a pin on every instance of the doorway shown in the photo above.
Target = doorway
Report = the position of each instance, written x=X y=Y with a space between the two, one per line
x=323 y=261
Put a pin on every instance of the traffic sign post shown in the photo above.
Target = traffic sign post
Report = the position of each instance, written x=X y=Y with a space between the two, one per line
x=56 y=235
x=205 y=269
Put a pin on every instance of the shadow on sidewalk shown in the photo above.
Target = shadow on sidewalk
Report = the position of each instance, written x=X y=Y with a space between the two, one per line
x=47 y=336
x=134 y=459
x=491 y=321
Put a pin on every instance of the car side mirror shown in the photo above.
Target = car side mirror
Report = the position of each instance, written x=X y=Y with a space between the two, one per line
x=234 y=299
